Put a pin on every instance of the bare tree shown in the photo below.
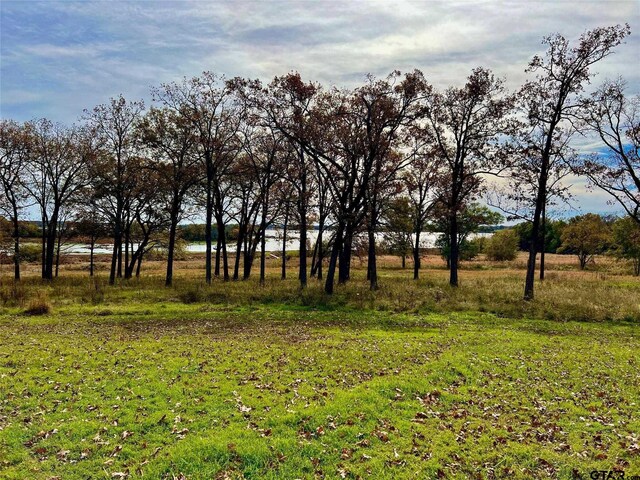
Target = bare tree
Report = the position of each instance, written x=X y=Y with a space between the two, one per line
x=145 y=220
x=245 y=207
x=266 y=153
x=56 y=173
x=112 y=173
x=286 y=106
x=284 y=195
x=352 y=140
x=14 y=149
x=517 y=197
x=210 y=104
x=422 y=180
x=89 y=227
x=386 y=107
x=323 y=209
x=616 y=120
x=64 y=232
x=467 y=124
x=552 y=103
x=171 y=140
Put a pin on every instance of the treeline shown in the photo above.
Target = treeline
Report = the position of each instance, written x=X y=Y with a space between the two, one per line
x=585 y=236
x=237 y=151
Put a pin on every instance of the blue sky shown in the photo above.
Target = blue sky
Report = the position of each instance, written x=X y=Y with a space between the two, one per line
x=59 y=57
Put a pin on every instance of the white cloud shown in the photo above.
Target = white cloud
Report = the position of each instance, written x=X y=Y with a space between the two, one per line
x=59 y=57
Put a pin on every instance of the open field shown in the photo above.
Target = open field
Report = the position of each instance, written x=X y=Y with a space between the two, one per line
x=236 y=380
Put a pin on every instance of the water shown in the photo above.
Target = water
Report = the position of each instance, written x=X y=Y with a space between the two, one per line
x=273 y=243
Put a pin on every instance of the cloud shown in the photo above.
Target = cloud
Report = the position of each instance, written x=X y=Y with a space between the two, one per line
x=59 y=57
x=131 y=45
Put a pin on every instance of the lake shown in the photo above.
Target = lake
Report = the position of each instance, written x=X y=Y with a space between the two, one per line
x=273 y=243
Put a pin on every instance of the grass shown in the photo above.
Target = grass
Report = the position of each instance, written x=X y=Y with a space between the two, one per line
x=237 y=381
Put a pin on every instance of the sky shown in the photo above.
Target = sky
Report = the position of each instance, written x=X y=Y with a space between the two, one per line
x=60 y=57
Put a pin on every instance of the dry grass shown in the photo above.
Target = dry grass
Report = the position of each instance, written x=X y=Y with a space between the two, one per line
x=38 y=305
x=605 y=292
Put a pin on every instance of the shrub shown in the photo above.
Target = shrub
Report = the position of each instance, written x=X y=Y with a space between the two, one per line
x=469 y=249
x=38 y=305
x=502 y=245
x=156 y=254
x=29 y=229
x=30 y=252
x=626 y=235
x=585 y=236
x=192 y=295
x=160 y=252
x=552 y=237
x=472 y=248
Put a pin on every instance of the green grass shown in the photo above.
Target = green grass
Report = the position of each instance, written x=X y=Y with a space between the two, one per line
x=234 y=381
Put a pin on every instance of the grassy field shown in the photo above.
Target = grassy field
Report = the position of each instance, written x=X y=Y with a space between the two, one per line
x=240 y=381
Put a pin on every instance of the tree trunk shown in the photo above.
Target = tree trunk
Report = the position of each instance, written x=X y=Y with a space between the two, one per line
x=541 y=202
x=416 y=256
x=583 y=260
x=320 y=250
x=454 y=250
x=236 y=262
x=303 y=248
x=119 y=272
x=217 y=266
x=543 y=241
x=117 y=238
x=223 y=243
x=222 y=235
x=302 y=214
x=58 y=241
x=43 y=255
x=91 y=248
x=236 y=266
x=263 y=242
x=284 y=244
x=333 y=260
x=533 y=244
x=172 y=244
x=49 y=257
x=247 y=263
x=127 y=233
x=208 y=228
x=136 y=255
x=16 y=245
x=225 y=258
x=314 y=261
x=139 y=265
x=50 y=245
x=345 y=256
x=371 y=261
